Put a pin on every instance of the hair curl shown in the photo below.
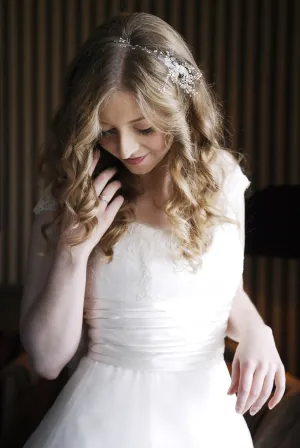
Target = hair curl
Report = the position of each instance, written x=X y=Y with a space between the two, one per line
x=194 y=123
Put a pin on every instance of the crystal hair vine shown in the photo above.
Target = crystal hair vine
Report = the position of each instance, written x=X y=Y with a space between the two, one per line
x=183 y=74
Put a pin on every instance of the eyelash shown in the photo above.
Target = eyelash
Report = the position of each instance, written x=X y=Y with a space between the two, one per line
x=140 y=131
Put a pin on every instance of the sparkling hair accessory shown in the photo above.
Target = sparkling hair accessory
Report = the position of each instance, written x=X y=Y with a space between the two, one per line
x=181 y=73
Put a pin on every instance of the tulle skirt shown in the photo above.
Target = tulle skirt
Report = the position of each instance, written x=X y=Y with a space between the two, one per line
x=106 y=406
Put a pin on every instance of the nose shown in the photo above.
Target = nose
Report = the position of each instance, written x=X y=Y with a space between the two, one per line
x=128 y=146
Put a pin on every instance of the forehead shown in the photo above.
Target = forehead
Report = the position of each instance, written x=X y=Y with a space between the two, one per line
x=120 y=109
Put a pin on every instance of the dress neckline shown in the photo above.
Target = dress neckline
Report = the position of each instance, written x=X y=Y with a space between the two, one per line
x=149 y=226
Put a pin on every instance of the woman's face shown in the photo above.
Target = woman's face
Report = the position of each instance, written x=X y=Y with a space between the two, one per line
x=128 y=136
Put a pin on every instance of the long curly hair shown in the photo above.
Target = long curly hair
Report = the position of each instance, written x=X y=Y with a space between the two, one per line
x=194 y=123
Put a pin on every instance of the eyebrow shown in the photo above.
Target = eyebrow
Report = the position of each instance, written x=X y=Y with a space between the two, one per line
x=129 y=122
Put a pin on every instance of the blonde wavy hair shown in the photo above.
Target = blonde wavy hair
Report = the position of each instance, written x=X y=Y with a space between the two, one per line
x=193 y=123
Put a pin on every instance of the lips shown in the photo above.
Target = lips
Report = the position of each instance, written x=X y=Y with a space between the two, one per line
x=136 y=160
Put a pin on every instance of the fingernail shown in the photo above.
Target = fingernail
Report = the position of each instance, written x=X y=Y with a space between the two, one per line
x=239 y=410
x=253 y=411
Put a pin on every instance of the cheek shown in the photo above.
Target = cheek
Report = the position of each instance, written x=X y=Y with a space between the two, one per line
x=157 y=144
x=108 y=145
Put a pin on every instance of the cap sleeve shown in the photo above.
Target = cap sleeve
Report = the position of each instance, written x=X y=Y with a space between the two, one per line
x=234 y=186
x=45 y=203
x=236 y=183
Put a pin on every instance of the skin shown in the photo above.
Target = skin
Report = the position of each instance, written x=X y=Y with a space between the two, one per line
x=127 y=134
x=257 y=364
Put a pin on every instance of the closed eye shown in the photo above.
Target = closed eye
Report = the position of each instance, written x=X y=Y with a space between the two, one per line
x=109 y=132
x=146 y=131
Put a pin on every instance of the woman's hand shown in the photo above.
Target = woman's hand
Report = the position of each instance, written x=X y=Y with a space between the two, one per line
x=255 y=367
x=105 y=212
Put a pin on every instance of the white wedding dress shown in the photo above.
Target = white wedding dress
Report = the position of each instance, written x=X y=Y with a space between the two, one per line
x=154 y=375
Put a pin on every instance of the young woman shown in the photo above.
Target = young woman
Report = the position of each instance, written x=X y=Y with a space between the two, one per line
x=139 y=236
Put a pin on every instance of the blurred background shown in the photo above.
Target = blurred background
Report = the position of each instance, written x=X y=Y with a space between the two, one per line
x=249 y=51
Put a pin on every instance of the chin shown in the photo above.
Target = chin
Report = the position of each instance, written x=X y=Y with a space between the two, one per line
x=140 y=170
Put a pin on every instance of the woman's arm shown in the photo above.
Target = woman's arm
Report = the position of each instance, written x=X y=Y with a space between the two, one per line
x=256 y=363
x=52 y=303
x=244 y=317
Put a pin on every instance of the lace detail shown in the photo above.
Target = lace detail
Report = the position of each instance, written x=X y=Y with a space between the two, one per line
x=150 y=244
x=145 y=245
x=46 y=203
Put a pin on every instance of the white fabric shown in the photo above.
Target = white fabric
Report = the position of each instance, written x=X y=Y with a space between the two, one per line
x=154 y=375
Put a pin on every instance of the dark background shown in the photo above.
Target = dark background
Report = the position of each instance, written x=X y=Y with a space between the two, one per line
x=249 y=52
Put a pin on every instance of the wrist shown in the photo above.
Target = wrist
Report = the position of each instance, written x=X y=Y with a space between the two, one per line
x=260 y=329
x=76 y=254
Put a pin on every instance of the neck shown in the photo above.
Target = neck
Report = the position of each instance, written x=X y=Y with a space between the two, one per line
x=156 y=189
x=154 y=182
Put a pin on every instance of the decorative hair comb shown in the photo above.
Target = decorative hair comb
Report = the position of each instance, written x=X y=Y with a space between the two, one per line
x=183 y=74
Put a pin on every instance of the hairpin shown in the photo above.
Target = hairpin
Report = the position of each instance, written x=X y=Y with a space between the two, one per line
x=183 y=74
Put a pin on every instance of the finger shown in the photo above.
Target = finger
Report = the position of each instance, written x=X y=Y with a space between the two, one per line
x=257 y=385
x=280 y=381
x=112 y=209
x=246 y=379
x=96 y=157
x=235 y=376
x=109 y=192
x=103 y=178
x=265 y=393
